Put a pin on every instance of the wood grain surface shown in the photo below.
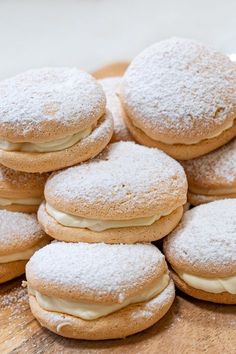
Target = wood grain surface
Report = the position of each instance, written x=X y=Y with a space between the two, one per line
x=190 y=327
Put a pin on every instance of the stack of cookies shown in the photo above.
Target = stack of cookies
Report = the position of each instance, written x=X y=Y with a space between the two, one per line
x=109 y=197
x=49 y=119
x=104 y=279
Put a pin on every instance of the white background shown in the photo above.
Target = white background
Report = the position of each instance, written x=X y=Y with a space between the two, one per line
x=91 y=33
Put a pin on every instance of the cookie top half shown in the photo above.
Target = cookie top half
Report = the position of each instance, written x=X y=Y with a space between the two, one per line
x=15 y=184
x=216 y=170
x=125 y=181
x=40 y=105
x=180 y=91
x=19 y=232
x=204 y=243
x=97 y=273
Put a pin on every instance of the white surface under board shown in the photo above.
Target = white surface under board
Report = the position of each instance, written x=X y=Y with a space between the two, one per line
x=91 y=33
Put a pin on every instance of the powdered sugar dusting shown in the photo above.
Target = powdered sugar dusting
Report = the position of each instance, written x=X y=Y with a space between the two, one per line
x=18 y=230
x=123 y=179
x=205 y=240
x=67 y=96
x=180 y=88
x=111 y=86
x=99 y=268
x=16 y=300
x=215 y=167
x=15 y=317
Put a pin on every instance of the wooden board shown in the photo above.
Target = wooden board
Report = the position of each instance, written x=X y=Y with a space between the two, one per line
x=114 y=69
x=189 y=327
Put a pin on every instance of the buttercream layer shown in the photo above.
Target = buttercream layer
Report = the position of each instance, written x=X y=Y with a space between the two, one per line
x=90 y=311
x=212 y=285
x=70 y=220
x=193 y=141
x=49 y=146
x=181 y=151
x=159 y=229
x=212 y=192
x=20 y=201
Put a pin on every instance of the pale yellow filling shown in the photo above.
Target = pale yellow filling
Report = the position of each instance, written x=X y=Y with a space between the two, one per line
x=194 y=141
x=70 y=220
x=210 y=285
x=23 y=255
x=213 y=192
x=93 y=311
x=50 y=146
x=19 y=201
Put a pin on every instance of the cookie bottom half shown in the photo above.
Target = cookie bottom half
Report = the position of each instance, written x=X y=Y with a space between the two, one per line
x=129 y=320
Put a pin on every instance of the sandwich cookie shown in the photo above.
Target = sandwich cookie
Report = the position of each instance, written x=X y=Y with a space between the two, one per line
x=202 y=252
x=111 y=86
x=129 y=193
x=51 y=118
x=98 y=291
x=212 y=176
x=21 y=191
x=20 y=237
x=180 y=96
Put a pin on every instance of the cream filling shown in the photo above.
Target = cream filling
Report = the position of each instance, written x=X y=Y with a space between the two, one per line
x=24 y=255
x=24 y=201
x=50 y=146
x=93 y=311
x=98 y=225
x=193 y=141
x=213 y=192
x=211 y=285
